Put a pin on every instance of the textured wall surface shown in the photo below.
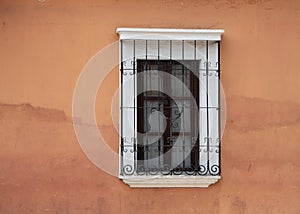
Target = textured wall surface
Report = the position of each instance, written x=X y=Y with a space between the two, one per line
x=45 y=44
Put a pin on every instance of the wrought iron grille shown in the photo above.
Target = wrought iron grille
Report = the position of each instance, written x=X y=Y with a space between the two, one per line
x=170 y=107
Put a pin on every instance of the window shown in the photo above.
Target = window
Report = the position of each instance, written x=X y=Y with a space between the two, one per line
x=169 y=107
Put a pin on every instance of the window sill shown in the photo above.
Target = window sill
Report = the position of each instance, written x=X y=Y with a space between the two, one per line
x=170 y=181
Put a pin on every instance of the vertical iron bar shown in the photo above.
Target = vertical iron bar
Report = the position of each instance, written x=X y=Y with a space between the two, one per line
x=121 y=108
x=146 y=93
x=183 y=104
x=170 y=50
x=158 y=57
x=197 y=132
x=207 y=109
x=169 y=86
x=134 y=110
x=195 y=50
x=219 y=106
x=159 y=94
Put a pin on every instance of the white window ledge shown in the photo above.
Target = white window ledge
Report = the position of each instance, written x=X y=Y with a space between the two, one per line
x=169 y=34
x=170 y=181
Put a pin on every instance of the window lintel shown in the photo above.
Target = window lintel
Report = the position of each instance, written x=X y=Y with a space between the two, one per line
x=170 y=34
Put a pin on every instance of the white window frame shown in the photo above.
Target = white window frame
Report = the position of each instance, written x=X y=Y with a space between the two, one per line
x=155 y=34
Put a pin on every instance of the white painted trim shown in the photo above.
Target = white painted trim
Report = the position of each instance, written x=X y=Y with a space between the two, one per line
x=169 y=34
x=166 y=34
x=170 y=181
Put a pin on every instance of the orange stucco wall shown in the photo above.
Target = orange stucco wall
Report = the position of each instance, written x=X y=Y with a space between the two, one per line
x=45 y=44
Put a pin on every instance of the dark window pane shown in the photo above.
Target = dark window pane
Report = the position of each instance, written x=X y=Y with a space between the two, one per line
x=162 y=120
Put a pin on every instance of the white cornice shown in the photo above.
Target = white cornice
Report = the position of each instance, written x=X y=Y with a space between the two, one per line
x=170 y=34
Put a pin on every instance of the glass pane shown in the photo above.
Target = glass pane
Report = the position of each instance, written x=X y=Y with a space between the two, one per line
x=168 y=124
x=181 y=82
x=154 y=118
x=181 y=150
